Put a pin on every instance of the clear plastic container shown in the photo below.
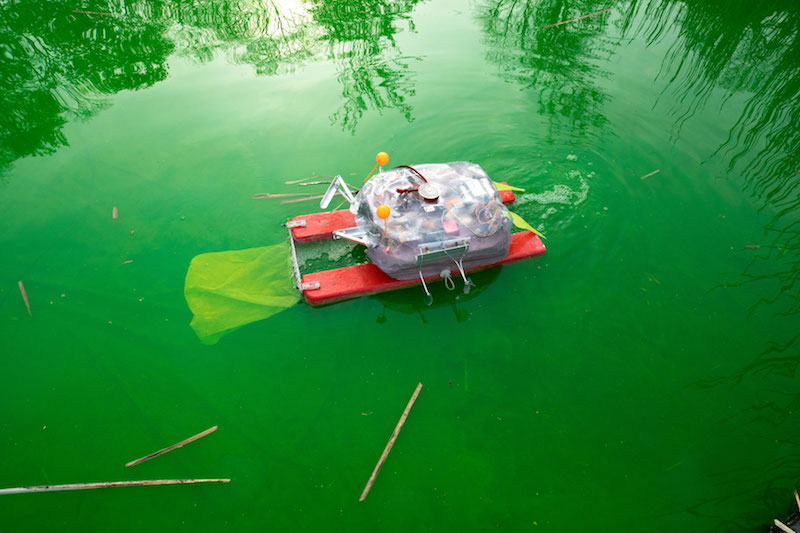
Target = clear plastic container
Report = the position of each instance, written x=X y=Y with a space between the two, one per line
x=442 y=216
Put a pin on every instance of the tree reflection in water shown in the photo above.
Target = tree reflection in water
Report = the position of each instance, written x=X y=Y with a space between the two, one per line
x=357 y=36
x=561 y=64
x=755 y=50
x=61 y=59
x=372 y=71
x=738 y=48
x=57 y=62
x=749 y=49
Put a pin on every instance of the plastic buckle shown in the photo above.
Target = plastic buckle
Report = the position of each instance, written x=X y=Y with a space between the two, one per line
x=309 y=286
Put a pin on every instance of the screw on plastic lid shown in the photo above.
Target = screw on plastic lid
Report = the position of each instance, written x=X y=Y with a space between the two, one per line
x=429 y=193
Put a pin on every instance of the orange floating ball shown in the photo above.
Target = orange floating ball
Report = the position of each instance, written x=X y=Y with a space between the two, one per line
x=382 y=158
x=383 y=212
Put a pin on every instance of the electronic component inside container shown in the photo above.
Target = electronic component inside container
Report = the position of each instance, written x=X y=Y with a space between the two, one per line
x=443 y=216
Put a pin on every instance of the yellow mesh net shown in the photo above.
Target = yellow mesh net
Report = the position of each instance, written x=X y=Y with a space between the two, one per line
x=227 y=290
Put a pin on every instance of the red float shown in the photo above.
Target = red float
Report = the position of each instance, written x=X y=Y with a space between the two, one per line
x=360 y=280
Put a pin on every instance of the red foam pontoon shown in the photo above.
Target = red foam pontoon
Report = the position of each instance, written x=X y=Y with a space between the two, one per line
x=359 y=280
x=320 y=226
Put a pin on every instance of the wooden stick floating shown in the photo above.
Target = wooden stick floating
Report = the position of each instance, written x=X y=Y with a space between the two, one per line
x=316 y=197
x=579 y=18
x=279 y=195
x=390 y=443
x=307 y=183
x=294 y=182
x=797 y=499
x=24 y=297
x=783 y=527
x=174 y=446
x=651 y=174
x=109 y=484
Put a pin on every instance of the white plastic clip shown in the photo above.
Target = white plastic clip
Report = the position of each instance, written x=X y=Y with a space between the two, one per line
x=296 y=223
x=309 y=286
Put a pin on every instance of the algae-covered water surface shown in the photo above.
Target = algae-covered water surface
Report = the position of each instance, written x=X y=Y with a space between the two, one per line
x=642 y=374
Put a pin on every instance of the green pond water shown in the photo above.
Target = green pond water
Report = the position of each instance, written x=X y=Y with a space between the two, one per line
x=641 y=375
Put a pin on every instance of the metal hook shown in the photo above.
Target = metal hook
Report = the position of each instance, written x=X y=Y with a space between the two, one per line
x=428 y=296
x=448 y=279
x=467 y=281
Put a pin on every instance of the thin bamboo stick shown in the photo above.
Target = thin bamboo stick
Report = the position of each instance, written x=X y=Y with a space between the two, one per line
x=279 y=195
x=24 y=297
x=390 y=443
x=651 y=174
x=783 y=527
x=174 y=446
x=85 y=486
x=316 y=197
x=579 y=18
x=797 y=499
x=295 y=182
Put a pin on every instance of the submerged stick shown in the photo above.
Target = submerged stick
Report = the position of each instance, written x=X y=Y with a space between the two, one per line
x=293 y=182
x=307 y=183
x=174 y=446
x=279 y=195
x=651 y=174
x=315 y=197
x=783 y=527
x=390 y=443
x=25 y=297
x=579 y=18
x=109 y=484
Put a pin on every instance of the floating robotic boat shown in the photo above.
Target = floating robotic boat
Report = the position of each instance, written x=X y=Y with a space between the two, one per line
x=419 y=224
